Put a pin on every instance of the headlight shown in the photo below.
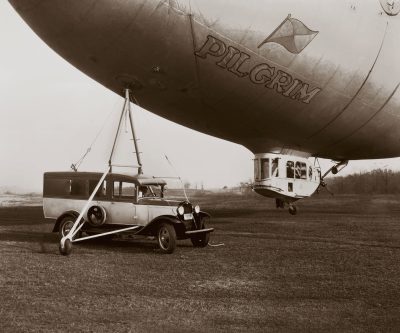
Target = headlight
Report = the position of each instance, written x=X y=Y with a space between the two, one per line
x=181 y=210
x=197 y=209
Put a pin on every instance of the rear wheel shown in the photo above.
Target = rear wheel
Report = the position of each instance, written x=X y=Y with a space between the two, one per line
x=66 y=225
x=166 y=237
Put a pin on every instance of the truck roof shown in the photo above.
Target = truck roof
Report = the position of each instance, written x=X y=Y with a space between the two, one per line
x=140 y=180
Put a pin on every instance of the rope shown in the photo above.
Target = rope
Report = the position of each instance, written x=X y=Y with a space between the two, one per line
x=75 y=166
x=216 y=245
x=134 y=100
x=183 y=185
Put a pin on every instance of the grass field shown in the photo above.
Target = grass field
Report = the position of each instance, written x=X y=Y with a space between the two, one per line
x=335 y=267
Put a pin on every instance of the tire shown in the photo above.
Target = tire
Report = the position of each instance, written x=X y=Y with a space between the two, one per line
x=166 y=237
x=96 y=216
x=66 y=225
x=201 y=240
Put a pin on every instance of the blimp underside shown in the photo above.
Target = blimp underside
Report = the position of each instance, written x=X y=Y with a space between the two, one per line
x=316 y=77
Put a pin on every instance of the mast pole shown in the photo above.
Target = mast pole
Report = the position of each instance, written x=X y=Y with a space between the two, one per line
x=116 y=136
x=127 y=109
x=135 y=140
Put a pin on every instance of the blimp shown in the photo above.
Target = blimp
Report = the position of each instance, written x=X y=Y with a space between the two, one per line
x=289 y=80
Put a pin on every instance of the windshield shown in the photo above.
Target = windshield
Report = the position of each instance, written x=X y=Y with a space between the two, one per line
x=175 y=190
x=151 y=191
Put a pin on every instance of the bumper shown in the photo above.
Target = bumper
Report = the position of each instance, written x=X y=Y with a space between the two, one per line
x=196 y=232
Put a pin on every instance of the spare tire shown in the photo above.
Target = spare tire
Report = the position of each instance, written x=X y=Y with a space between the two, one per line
x=96 y=216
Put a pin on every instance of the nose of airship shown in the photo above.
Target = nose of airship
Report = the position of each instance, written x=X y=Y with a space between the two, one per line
x=116 y=42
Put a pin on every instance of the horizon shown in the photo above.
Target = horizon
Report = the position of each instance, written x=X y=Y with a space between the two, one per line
x=196 y=187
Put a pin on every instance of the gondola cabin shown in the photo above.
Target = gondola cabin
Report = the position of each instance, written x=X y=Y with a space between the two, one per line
x=285 y=177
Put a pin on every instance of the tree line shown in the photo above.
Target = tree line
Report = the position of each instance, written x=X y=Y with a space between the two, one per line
x=374 y=182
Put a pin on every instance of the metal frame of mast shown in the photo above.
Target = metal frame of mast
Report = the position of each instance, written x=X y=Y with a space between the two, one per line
x=126 y=110
x=66 y=242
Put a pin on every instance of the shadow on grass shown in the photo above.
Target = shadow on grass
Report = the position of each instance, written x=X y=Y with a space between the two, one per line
x=120 y=246
x=139 y=245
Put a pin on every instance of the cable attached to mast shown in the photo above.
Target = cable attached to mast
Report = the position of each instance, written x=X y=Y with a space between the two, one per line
x=75 y=166
x=173 y=168
x=126 y=117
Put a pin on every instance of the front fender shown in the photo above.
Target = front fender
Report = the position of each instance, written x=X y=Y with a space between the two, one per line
x=203 y=215
x=151 y=228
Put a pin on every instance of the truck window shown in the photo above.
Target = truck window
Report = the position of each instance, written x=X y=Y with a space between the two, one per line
x=79 y=187
x=124 y=190
x=101 y=192
x=56 y=187
x=151 y=191
x=157 y=191
x=116 y=190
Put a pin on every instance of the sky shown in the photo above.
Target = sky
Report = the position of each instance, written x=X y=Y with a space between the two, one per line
x=50 y=114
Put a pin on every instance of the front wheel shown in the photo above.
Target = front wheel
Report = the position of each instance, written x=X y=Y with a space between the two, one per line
x=166 y=237
x=201 y=240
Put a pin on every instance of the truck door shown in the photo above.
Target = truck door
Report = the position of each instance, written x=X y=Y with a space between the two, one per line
x=121 y=209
